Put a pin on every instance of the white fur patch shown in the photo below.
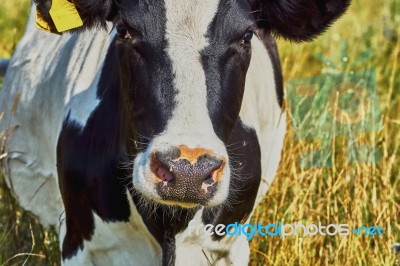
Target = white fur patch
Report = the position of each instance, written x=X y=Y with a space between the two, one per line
x=82 y=105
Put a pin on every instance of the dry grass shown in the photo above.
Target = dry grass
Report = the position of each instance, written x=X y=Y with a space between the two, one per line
x=356 y=194
x=22 y=240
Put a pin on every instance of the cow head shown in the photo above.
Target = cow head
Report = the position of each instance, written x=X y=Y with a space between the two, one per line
x=183 y=67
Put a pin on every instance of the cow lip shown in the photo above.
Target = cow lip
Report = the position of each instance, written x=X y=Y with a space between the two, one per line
x=157 y=199
x=186 y=205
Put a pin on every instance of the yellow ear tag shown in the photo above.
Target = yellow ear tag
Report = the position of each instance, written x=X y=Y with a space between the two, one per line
x=65 y=15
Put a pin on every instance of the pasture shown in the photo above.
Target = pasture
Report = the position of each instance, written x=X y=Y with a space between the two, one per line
x=367 y=38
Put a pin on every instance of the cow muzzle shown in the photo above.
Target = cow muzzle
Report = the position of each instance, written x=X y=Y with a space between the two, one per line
x=183 y=176
x=188 y=175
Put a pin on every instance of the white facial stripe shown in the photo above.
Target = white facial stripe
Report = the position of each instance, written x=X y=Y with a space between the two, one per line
x=190 y=124
x=186 y=27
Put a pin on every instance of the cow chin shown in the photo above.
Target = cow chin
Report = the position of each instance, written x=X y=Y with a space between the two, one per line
x=184 y=176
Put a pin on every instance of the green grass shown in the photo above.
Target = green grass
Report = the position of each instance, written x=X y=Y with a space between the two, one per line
x=13 y=16
x=360 y=194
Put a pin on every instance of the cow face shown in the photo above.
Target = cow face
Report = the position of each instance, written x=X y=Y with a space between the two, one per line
x=183 y=67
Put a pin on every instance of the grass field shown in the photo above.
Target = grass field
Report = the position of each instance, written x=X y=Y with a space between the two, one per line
x=366 y=38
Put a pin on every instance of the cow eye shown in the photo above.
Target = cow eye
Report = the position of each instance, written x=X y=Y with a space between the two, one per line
x=122 y=32
x=247 y=37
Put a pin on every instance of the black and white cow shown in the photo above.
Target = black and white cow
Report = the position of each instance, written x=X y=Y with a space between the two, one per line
x=175 y=116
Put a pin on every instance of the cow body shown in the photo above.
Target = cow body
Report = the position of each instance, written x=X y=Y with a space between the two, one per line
x=141 y=142
x=82 y=58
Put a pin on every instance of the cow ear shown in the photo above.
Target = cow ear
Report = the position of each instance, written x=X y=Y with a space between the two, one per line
x=58 y=16
x=298 y=20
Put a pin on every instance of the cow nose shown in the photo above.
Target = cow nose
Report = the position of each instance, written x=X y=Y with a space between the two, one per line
x=186 y=175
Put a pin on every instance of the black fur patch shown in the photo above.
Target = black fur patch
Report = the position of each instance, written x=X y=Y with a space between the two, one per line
x=298 y=20
x=245 y=179
x=272 y=48
x=225 y=62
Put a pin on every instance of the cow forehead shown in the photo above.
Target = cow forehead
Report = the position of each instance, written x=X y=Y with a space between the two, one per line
x=190 y=15
x=189 y=20
x=187 y=23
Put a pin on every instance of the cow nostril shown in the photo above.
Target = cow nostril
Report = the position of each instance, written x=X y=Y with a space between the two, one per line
x=215 y=169
x=159 y=167
x=209 y=179
x=164 y=174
